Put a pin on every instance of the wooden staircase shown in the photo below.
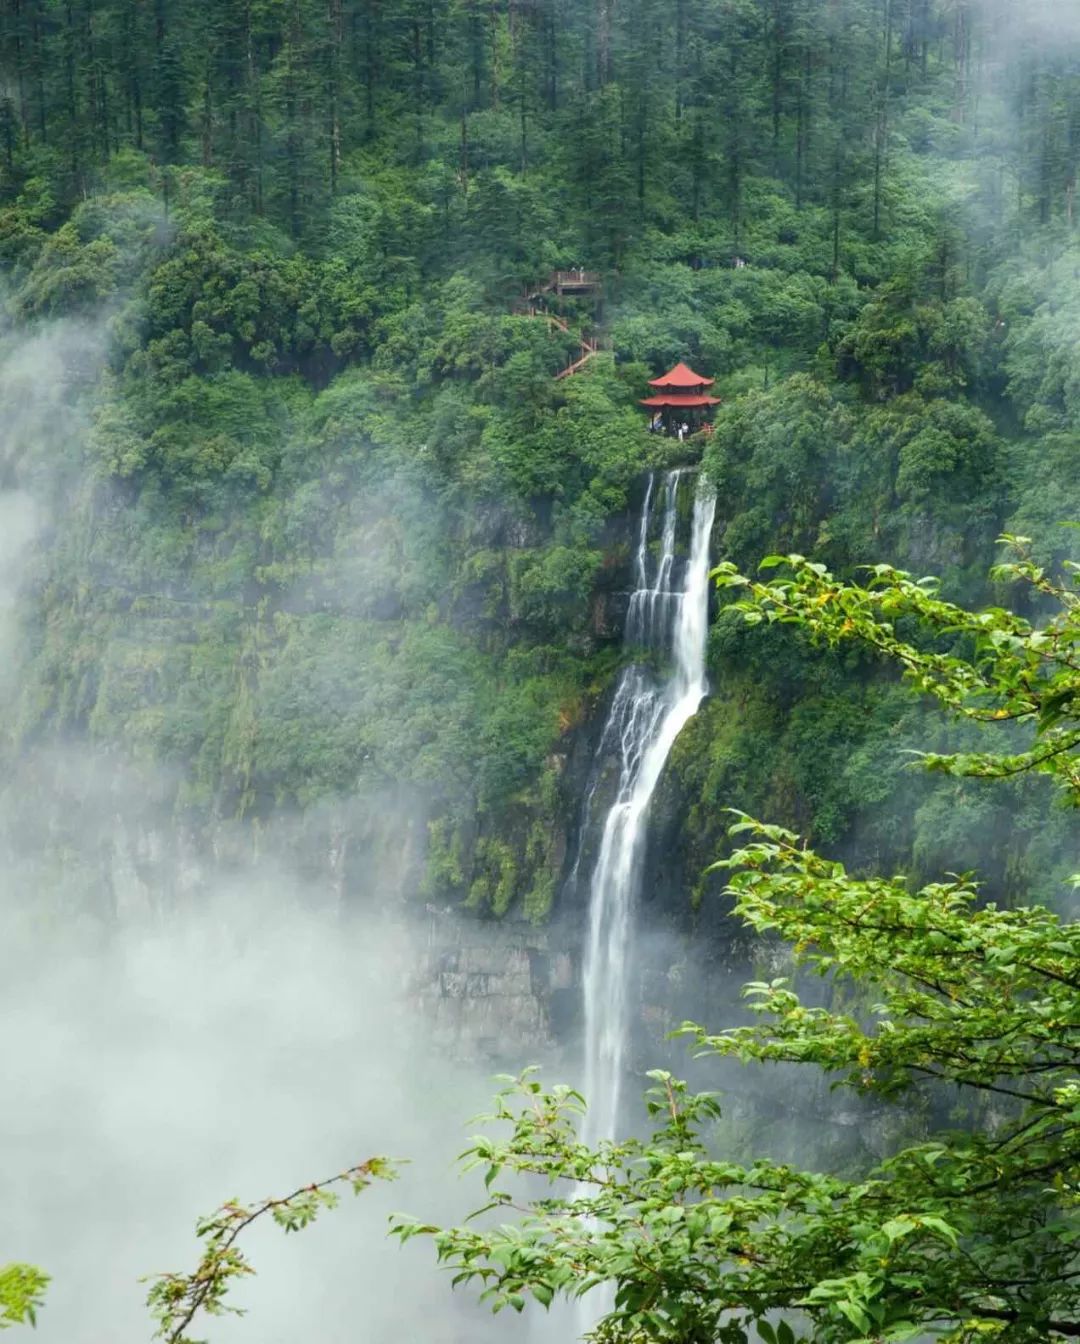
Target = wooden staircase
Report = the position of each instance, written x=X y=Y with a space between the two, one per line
x=589 y=349
x=562 y=282
x=525 y=309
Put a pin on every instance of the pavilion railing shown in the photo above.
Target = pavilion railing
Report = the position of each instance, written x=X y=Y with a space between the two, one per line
x=574 y=278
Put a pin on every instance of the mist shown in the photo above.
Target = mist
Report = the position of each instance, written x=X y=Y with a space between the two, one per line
x=158 y=1071
x=175 y=1039
x=212 y=855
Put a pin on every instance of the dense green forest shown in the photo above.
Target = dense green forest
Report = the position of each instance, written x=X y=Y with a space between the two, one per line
x=327 y=540
x=323 y=558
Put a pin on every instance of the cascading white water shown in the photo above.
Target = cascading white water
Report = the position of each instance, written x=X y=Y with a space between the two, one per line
x=645 y=719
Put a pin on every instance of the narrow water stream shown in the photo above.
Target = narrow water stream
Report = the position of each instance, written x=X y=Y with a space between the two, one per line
x=668 y=616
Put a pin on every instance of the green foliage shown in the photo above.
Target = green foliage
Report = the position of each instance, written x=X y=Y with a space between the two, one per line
x=176 y=1300
x=493 y=887
x=963 y=1235
x=1012 y=671
x=325 y=444
x=334 y=534
x=22 y=1294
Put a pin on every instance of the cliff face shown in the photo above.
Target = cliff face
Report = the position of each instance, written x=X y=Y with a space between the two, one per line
x=501 y=993
x=117 y=658
x=386 y=693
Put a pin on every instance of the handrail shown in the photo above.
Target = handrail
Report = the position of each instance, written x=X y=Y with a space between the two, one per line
x=575 y=277
x=573 y=368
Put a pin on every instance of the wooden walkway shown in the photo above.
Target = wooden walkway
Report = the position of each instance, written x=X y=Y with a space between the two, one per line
x=589 y=348
x=571 y=282
x=525 y=309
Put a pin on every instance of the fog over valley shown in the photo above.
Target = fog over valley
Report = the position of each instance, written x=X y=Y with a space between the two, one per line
x=539 y=535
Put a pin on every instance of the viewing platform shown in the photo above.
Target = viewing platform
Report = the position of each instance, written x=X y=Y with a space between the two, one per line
x=573 y=281
x=536 y=303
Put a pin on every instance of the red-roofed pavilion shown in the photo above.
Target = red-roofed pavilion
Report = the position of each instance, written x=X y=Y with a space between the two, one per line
x=682 y=406
x=682 y=376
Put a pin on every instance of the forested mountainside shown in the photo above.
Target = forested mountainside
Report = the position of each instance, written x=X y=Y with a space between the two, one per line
x=320 y=537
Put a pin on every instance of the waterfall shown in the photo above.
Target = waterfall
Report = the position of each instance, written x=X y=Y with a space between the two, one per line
x=646 y=717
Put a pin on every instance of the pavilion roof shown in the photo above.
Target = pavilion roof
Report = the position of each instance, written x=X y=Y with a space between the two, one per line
x=682 y=375
x=680 y=399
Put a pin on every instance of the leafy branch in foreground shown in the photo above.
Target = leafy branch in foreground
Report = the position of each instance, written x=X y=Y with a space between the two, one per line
x=22 y=1292
x=971 y=1235
x=1016 y=672
x=963 y=1236
x=176 y=1299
